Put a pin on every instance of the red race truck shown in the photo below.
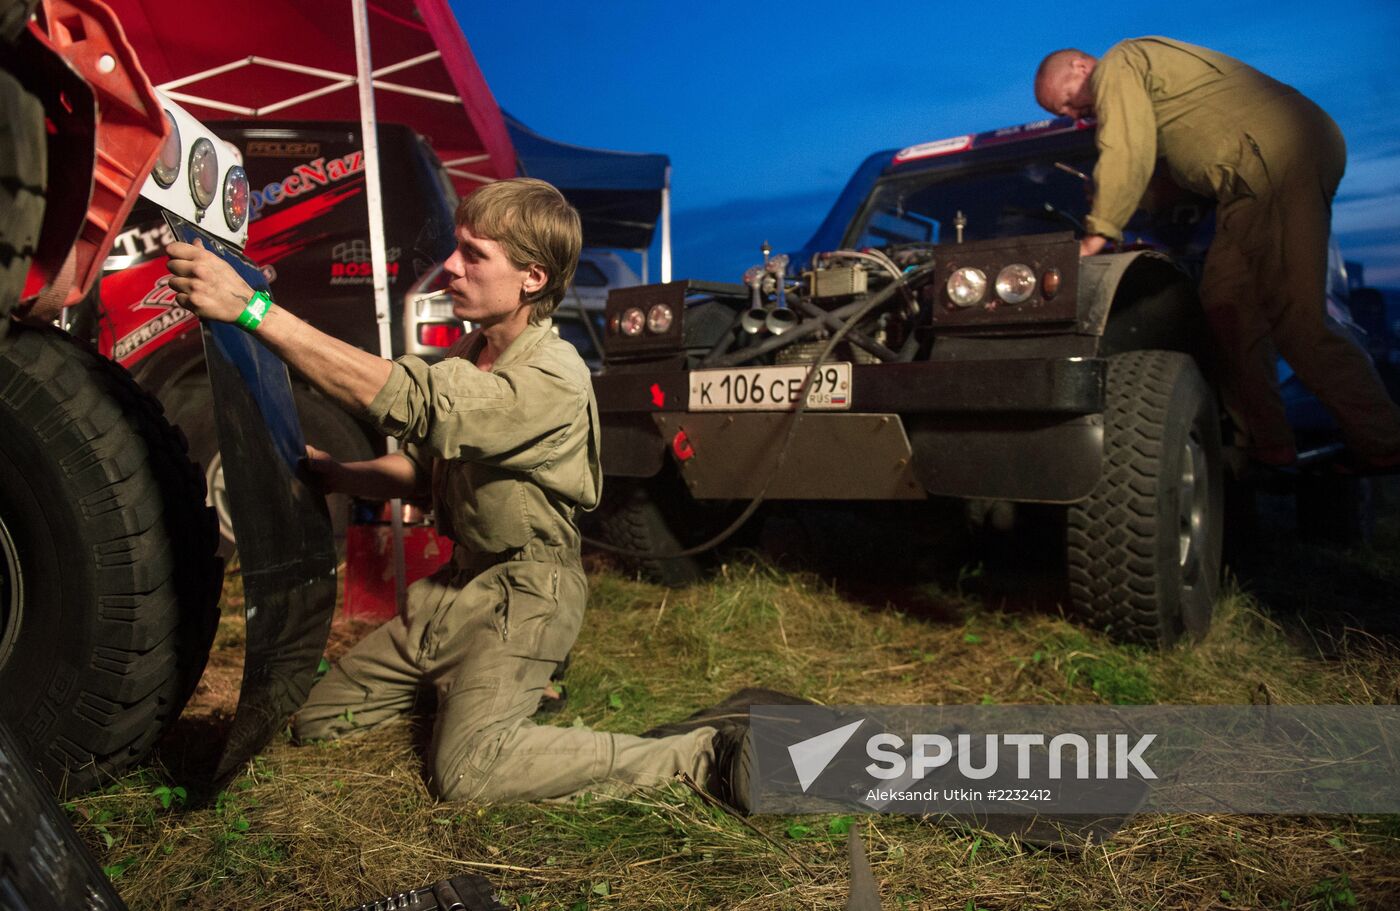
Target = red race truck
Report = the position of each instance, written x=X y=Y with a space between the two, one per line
x=109 y=573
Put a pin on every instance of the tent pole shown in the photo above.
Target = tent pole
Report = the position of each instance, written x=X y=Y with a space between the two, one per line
x=369 y=134
x=646 y=279
x=666 y=228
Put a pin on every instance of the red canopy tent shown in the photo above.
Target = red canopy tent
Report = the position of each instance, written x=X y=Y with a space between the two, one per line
x=296 y=59
x=311 y=59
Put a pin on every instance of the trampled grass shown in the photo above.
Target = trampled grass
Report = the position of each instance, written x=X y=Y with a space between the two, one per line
x=333 y=825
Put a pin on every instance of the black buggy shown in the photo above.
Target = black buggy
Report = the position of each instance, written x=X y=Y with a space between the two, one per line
x=962 y=349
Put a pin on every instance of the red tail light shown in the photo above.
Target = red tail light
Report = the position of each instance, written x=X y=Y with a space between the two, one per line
x=439 y=335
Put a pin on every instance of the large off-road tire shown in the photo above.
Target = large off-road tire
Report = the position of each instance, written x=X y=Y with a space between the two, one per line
x=658 y=516
x=22 y=184
x=1144 y=548
x=642 y=516
x=109 y=581
x=190 y=406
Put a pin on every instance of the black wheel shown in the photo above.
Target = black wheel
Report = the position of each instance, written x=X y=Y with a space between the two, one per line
x=109 y=580
x=22 y=182
x=637 y=516
x=659 y=516
x=191 y=406
x=1144 y=547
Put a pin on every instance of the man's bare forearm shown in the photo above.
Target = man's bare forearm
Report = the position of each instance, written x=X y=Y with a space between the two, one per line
x=347 y=375
x=384 y=478
x=208 y=287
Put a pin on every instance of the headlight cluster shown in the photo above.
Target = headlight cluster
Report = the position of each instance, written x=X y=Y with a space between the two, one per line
x=657 y=320
x=1015 y=284
x=201 y=166
x=644 y=321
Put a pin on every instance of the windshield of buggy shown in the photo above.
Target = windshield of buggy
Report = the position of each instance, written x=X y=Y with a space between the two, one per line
x=1011 y=200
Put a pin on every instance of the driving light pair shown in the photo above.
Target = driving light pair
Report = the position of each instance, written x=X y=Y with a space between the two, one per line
x=1015 y=284
x=657 y=320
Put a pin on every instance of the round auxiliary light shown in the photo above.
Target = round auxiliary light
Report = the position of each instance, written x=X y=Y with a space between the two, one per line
x=1050 y=283
x=659 y=319
x=168 y=164
x=967 y=286
x=204 y=172
x=235 y=198
x=1016 y=283
x=633 y=321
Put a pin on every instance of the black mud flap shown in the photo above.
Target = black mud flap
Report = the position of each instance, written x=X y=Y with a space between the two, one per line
x=285 y=545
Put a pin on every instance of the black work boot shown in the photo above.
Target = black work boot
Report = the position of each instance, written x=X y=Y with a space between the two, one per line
x=731 y=774
x=729 y=713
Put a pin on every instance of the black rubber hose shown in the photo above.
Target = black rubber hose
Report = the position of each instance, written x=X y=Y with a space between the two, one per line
x=859 y=314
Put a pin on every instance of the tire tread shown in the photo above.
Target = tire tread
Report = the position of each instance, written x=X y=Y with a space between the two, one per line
x=1113 y=537
x=147 y=542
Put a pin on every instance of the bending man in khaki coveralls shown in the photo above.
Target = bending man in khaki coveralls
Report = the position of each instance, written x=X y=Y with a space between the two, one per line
x=504 y=432
x=1272 y=160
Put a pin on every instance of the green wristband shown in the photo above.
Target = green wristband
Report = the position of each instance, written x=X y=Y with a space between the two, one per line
x=252 y=316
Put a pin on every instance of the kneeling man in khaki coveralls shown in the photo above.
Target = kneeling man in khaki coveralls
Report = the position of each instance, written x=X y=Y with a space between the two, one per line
x=1272 y=161
x=504 y=434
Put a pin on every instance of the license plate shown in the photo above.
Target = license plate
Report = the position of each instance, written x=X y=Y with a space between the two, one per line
x=770 y=388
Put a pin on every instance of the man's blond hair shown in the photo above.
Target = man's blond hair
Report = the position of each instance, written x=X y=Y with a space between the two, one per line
x=533 y=223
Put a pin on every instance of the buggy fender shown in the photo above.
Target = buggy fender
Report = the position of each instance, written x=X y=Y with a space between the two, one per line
x=1140 y=300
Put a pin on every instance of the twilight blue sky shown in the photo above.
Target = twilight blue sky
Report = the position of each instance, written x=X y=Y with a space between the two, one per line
x=766 y=109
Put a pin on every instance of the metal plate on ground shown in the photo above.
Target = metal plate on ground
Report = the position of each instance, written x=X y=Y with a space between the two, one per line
x=43 y=863
x=770 y=388
x=831 y=457
x=285 y=548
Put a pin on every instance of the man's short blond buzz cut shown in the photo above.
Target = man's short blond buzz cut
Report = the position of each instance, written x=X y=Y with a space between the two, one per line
x=1053 y=64
x=1055 y=60
x=533 y=223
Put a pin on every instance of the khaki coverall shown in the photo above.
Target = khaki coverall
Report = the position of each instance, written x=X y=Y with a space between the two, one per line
x=1272 y=160
x=513 y=453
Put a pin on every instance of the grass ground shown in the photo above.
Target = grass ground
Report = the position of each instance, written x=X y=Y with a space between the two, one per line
x=333 y=825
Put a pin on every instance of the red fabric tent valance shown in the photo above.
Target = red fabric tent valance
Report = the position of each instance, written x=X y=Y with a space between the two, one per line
x=295 y=60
